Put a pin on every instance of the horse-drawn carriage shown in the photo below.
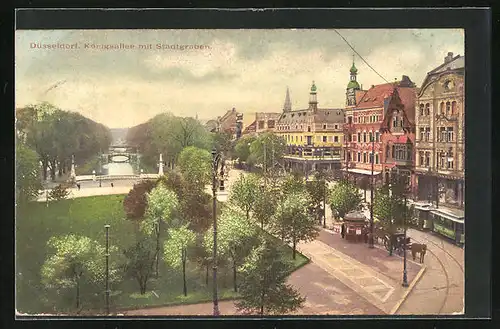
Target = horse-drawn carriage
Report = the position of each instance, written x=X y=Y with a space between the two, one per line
x=397 y=241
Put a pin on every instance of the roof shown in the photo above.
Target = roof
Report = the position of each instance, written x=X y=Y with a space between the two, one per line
x=407 y=97
x=352 y=84
x=457 y=63
x=267 y=115
x=319 y=116
x=403 y=139
x=375 y=96
x=250 y=128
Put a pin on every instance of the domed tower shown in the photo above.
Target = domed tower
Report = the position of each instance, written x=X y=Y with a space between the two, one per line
x=352 y=86
x=313 y=101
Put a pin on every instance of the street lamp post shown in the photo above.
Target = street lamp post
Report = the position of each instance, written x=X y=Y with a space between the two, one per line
x=217 y=163
x=405 y=276
x=107 y=268
x=370 y=242
x=324 y=202
x=391 y=233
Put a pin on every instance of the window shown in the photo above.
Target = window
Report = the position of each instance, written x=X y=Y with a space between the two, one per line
x=421 y=158
x=324 y=126
x=359 y=156
x=454 y=108
x=393 y=153
x=376 y=158
x=377 y=136
x=427 y=134
x=308 y=129
x=449 y=134
x=353 y=138
x=336 y=139
x=364 y=137
x=427 y=158
x=421 y=109
x=442 y=134
x=371 y=136
x=450 y=160
x=355 y=119
x=336 y=126
x=261 y=124
x=324 y=139
x=301 y=138
x=441 y=108
x=394 y=122
x=359 y=137
x=422 y=134
x=427 y=109
x=448 y=109
x=364 y=157
x=270 y=123
x=370 y=157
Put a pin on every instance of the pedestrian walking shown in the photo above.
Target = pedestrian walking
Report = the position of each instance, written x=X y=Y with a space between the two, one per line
x=78 y=186
x=342 y=230
x=112 y=185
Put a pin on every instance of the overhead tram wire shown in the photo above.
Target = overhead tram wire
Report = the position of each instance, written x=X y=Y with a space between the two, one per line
x=347 y=42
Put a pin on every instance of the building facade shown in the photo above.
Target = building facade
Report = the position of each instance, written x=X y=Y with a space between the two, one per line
x=264 y=122
x=440 y=144
x=369 y=114
x=314 y=136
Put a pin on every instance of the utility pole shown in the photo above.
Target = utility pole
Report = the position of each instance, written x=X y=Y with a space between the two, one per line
x=405 y=275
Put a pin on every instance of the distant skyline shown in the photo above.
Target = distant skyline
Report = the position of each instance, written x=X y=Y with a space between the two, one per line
x=245 y=69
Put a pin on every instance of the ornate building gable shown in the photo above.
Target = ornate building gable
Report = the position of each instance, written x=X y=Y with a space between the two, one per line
x=395 y=116
x=436 y=80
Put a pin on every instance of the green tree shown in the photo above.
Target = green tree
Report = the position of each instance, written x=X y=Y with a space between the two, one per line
x=58 y=193
x=244 y=193
x=265 y=205
x=75 y=259
x=176 y=249
x=140 y=259
x=268 y=150
x=364 y=184
x=263 y=287
x=344 y=198
x=234 y=236
x=196 y=166
x=161 y=205
x=242 y=148
x=293 y=221
x=291 y=184
x=318 y=193
x=28 y=182
x=388 y=204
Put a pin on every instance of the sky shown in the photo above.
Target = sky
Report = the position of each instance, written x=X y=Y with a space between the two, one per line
x=245 y=69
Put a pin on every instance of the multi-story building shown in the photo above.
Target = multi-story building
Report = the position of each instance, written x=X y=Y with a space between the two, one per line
x=440 y=164
x=228 y=123
x=314 y=136
x=440 y=146
x=264 y=122
x=370 y=114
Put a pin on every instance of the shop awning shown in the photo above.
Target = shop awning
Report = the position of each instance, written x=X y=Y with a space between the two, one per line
x=362 y=171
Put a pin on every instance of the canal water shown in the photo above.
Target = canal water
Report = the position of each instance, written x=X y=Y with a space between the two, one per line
x=119 y=167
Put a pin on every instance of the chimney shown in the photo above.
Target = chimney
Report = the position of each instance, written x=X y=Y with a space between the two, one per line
x=448 y=58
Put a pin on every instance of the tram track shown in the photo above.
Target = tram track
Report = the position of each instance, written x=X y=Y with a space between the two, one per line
x=419 y=240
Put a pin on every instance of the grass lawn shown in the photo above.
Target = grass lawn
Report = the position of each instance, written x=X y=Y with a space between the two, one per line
x=36 y=224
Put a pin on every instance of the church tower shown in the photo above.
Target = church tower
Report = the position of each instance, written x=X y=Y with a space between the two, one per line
x=288 y=104
x=313 y=101
x=352 y=86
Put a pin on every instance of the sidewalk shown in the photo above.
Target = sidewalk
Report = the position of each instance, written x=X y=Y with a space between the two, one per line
x=371 y=273
x=89 y=191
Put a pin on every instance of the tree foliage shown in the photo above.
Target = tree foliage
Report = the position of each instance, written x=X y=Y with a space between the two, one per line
x=344 y=198
x=56 y=135
x=263 y=287
x=135 y=202
x=389 y=206
x=265 y=205
x=242 y=148
x=318 y=192
x=59 y=192
x=78 y=260
x=162 y=203
x=176 y=249
x=28 y=182
x=268 y=150
x=293 y=221
x=140 y=259
x=168 y=135
x=234 y=238
x=244 y=193
x=196 y=166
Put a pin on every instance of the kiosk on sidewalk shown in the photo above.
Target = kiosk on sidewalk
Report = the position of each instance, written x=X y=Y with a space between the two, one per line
x=355 y=226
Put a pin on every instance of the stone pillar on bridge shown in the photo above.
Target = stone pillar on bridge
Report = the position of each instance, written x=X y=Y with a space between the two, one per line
x=72 y=174
x=160 y=165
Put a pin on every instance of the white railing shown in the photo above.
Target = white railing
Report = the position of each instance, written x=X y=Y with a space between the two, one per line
x=114 y=177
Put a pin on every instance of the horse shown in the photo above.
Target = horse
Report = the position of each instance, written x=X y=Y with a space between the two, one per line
x=420 y=249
